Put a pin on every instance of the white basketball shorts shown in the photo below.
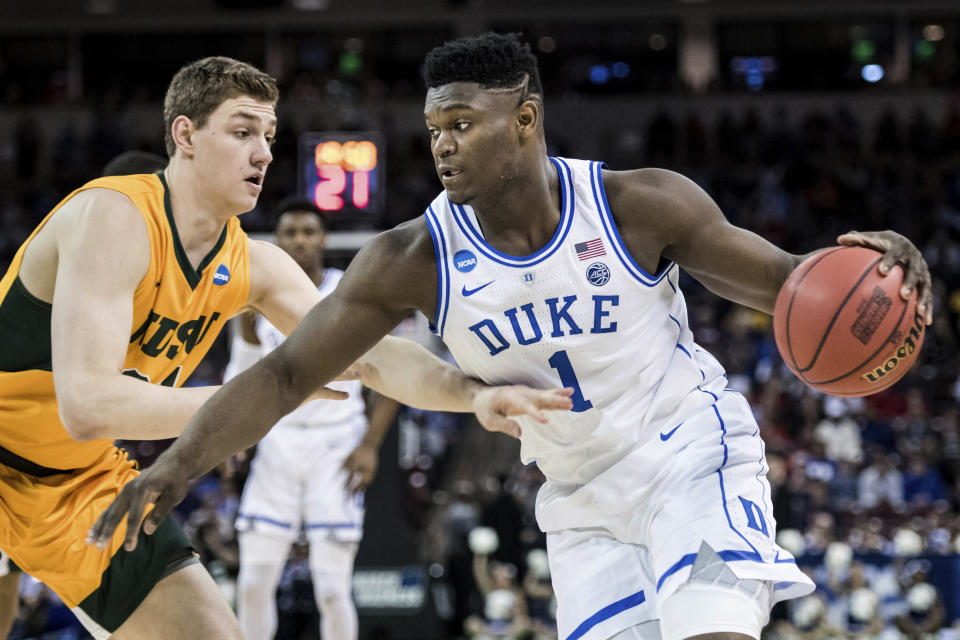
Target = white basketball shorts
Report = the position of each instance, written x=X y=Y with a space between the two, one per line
x=626 y=540
x=296 y=484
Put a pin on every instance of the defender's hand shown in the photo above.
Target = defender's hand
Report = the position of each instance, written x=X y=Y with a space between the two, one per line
x=495 y=406
x=353 y=372
x=898 y=250
x=361 y=467
x=163 y=484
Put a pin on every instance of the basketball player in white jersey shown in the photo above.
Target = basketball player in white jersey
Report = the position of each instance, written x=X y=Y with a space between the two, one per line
x=538 y=269
x=308 y=468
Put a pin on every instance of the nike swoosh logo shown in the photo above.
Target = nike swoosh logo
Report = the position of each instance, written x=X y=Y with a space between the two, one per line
x=469 y=292
x=666 y=436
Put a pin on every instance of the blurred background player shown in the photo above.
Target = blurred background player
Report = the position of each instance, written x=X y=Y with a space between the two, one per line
x=309 y=472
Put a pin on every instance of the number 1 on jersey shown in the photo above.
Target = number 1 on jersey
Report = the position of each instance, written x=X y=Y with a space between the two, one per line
x=561 y=362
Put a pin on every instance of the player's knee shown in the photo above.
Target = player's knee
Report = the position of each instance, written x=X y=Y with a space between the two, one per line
x=254 y=579
x=331 y=588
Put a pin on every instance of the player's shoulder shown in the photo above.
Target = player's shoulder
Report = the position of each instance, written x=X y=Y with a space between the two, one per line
x=132 y=185
x=648 y=183
x=265 y=257
x=397 y=265
x=99 y=208
x=656 y=196
x=408 y=243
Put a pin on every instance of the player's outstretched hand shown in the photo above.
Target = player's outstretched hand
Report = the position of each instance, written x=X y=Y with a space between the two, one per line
x=495 y=406
x=899 y=250
x=163 y=485
x=353 y=372
x=361 y=467
x=326 y=393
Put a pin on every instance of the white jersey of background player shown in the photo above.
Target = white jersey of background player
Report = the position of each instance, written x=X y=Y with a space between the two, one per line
x=308 y=472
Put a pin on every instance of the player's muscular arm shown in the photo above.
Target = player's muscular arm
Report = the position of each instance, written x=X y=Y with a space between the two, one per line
x=398 y=276
x=392 y=274
x=662 y=214
x=103 y=253
x=372 y=298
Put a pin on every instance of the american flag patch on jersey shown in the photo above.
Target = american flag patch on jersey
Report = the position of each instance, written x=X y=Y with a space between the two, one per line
x=590 y=249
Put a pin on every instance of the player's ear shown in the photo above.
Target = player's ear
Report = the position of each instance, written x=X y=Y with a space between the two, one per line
x=182 y=130
x=528 y=118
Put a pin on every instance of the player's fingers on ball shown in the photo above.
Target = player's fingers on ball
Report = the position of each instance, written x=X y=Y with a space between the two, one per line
x=910 y=279
x=849 y=238
x=928 y=305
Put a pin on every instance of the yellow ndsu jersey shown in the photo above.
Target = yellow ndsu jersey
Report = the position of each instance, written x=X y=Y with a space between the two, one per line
x=177 y=313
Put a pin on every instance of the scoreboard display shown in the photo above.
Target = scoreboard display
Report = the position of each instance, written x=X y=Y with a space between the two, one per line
x=342 y=173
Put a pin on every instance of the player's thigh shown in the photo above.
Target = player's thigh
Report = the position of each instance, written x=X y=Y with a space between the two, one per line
x=264 y=548
x=602 y=585
x=712 y=612
x=185 y=604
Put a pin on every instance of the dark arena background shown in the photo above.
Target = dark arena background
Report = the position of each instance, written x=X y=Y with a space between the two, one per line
x=803 y=120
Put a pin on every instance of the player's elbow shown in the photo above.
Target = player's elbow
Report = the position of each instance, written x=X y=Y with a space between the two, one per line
x=79 y=416
x=280 y=367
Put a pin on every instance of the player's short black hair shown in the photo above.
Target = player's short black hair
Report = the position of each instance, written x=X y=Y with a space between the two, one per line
x=492 y=60
x=297 y=203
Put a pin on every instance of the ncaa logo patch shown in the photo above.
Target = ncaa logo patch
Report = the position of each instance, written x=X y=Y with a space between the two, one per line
x=598 y=274
x=464 y=261
x=222 y=276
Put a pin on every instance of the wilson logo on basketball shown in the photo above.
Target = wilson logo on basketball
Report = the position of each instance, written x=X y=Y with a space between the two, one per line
x=906 y=348
x=872 y=311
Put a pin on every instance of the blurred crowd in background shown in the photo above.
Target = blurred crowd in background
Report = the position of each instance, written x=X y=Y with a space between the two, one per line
x=866 y=492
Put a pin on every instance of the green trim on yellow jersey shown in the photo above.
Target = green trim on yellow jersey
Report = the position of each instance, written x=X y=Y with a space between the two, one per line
x=192 y=275
x=25 y=327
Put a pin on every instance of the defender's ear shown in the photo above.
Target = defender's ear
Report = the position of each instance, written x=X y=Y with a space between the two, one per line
x=182 y=131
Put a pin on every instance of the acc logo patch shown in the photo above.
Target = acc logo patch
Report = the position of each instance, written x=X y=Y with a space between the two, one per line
x=598 y=274
x=464 y=261
x=222 y=276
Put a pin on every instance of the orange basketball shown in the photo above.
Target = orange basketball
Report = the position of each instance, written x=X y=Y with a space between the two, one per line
x=842 y=327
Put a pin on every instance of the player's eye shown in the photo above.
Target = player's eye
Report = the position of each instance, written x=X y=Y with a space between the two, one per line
x=460 y=126
x=242 y=133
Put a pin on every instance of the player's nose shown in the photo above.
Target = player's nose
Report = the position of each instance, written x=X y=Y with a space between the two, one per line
x=262 y=155
x=444 y=145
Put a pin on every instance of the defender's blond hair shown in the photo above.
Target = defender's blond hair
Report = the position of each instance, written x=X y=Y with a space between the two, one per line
x=200 y=87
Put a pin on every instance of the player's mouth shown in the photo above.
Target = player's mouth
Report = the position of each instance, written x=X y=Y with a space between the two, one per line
x=448 y=173
x=256 y=180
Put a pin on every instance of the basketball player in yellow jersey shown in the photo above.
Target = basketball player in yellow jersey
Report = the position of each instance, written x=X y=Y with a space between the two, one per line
x=126 y=283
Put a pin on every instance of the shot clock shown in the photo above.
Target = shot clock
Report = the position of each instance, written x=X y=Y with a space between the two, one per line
x=342 y=172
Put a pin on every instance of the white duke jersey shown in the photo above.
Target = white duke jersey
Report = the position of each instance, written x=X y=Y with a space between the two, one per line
x=580 y=313
x=318 y=413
